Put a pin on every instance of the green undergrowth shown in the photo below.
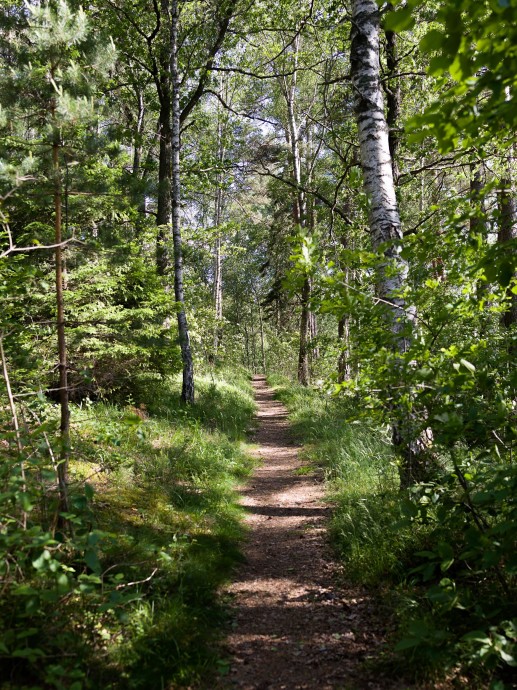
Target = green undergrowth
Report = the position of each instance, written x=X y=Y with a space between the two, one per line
x=153 y=486
x=362 y=481
x=441 y=556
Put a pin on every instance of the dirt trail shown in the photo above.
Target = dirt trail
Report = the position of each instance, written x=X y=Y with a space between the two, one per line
x=293 y=626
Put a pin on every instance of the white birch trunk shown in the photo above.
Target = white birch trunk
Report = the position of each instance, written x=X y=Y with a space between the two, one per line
x=385 y=227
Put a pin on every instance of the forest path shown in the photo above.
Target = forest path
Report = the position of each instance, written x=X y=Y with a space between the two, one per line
x=294 y=627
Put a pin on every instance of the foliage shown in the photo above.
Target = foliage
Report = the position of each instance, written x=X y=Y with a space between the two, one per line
x=129 y=599
x=474 y=44
x=448 y=546
x=272 y=133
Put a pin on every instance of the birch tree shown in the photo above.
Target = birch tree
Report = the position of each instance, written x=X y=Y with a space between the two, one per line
x=384 y=218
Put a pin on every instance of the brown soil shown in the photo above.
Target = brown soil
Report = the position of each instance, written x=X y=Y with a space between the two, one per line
x=295 y=625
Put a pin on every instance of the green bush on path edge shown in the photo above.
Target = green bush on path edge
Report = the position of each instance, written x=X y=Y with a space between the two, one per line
x=441 y=556
x=130 y=600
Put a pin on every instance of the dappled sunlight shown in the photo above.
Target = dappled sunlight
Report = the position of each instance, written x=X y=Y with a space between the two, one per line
x=294 y=626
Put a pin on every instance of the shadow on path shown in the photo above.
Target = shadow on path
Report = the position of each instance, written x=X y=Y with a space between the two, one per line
x=293 y=627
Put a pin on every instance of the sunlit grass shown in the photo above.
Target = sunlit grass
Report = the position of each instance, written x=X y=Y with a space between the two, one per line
x=362 y=482
x=164 y=477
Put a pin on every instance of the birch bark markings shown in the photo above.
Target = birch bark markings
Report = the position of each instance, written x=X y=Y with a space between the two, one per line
x=385 y=226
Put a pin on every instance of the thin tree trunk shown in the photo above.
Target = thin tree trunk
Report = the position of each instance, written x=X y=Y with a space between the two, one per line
x=14 y=417
x=247 y=346
x=477 y=223
x=507 y=233
x=218 y=294
x=299 y=205
x=262 y=347
x=164 y=209
x=187 y=391
x=253 y=340
x=139 y=197
x=343 y=331
x=218 y=219
x=64 y=427
x=385 y=226
x=218 y=274
x=303 y=355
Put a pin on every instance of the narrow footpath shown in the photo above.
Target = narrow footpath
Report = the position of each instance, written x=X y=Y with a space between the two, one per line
x=294 y=626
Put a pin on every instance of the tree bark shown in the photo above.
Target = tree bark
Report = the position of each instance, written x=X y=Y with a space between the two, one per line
x=477 y=223
x=303 y=355
x=385 y=226
x=393 y=99
x=64 y=426
x=507 y=233
x=299 y=207
x=164 y=209
x=187 y=390
x=343 y=366
x=218 y=218
x=262 y=344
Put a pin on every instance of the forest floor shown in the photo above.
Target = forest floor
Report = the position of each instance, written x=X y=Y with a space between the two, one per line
x=296 y=623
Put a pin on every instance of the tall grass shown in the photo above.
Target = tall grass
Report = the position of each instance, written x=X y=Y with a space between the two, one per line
x=362 y=479
x=162 y=501
x=441 y=557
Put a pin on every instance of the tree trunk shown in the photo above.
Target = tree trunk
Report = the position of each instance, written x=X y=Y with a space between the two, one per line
x=64 y=427
x=303 y=355
x=187 y=391
x=164 y=210
x=507 y=233
x=262 y=346
x=477 y=223
x=218 y=273
x=253 y=339
x=218 y=219
x=299 y=205
x=343 y=366
x=385 y=226
x=247 y=346
x=393 y=98
x=218 y=295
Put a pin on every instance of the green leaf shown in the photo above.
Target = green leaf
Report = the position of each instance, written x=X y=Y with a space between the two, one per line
x=438 y=65
x=407 y=643
x=468 y=365
x=476 y=636
x=400 y=20
x=506 y=273
x=26 y=503
x=92 y=561
x=42 y=560
x=509 y=658
x=433 y=40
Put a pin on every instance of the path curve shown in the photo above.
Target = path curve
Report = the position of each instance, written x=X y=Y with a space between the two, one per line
x=293 y=627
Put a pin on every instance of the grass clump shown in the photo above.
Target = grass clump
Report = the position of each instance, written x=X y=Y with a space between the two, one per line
x=359 y=467
x=158 y=530
x=440 y=554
